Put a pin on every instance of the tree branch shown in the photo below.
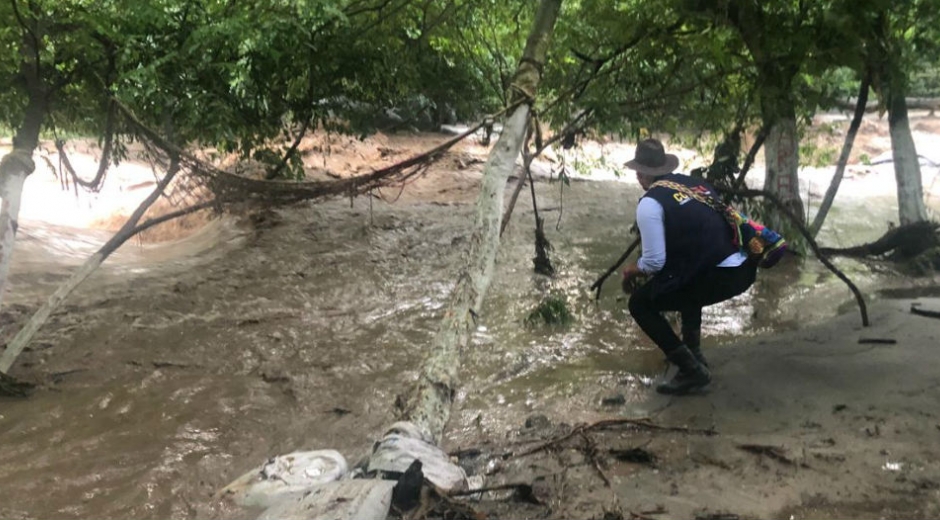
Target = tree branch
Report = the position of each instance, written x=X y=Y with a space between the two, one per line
x=783 y=208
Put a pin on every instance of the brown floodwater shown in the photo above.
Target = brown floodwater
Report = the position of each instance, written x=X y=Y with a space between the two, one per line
x=179 y=366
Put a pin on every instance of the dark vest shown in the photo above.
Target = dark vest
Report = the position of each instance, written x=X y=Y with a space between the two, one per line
x=697 y=236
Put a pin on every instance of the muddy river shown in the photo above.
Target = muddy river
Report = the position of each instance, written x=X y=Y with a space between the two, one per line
x=178 y=366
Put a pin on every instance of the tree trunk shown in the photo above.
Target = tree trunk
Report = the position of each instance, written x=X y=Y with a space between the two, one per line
x=906 y=167
x=129 y=229
x=782 y=156
x=14 y=168
x=429 y=406
x=18 y=164
x=843 y=157
x=776 y=69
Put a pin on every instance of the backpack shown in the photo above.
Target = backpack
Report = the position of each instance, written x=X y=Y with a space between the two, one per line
x=757 y=241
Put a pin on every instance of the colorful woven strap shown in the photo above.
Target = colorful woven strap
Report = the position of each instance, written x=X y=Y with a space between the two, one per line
x=732 y=216
x=682 y=188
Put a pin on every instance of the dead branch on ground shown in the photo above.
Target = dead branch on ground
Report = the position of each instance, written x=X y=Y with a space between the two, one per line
x=915 y=309
x=772 y=452
x=606 y=424
x=590 y=448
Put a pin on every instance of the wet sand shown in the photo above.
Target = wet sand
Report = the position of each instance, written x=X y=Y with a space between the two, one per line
x=805 y=424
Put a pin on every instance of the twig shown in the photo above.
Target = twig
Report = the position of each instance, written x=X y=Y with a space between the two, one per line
x=591 y=448
x=607 y=424
x=644 y=515
x=501 y=487
x=751 y=155
x=600 y=281
x=877 y=341
x=770 y=451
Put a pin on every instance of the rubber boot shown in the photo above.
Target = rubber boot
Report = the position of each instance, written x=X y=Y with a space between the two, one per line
x=692 y=374
x=693 y=340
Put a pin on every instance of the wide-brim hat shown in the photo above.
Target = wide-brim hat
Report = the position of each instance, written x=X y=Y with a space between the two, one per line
x=651 y=159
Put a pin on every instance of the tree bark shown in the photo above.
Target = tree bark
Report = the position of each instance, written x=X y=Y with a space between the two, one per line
x=843 y=157
x=776 y=69
x=430 y=403
x=14 y=168
x=18 y=164
x=129 y=229
x=911 y=206
x=782 y=157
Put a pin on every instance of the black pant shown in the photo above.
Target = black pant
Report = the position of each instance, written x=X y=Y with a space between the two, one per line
x=714 y=285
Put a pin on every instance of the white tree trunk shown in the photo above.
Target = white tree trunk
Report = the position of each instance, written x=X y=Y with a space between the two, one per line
x=38 y=319
x=782 y=156
x=911 y=206
x=430 y=408
x=14 y=168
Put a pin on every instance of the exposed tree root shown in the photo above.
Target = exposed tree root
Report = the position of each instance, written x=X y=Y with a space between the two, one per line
x=908 y=241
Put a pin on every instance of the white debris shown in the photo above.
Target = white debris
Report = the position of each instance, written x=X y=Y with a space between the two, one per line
x=404 y=443
x=287 y=475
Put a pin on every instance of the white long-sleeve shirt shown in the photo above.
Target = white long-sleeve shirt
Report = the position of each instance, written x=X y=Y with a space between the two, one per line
x=651 y=219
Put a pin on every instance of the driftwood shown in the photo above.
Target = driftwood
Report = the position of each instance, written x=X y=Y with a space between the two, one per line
x=11 y=387
x=773 y=452
x=908 y=240
x=877 y=341
x=915 y=309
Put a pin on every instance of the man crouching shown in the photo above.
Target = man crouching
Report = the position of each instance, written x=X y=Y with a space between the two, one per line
x=690 y=255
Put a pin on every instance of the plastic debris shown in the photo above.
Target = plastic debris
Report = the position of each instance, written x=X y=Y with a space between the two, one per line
x=284 y=476
x=402 y=444
x=343 y=500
